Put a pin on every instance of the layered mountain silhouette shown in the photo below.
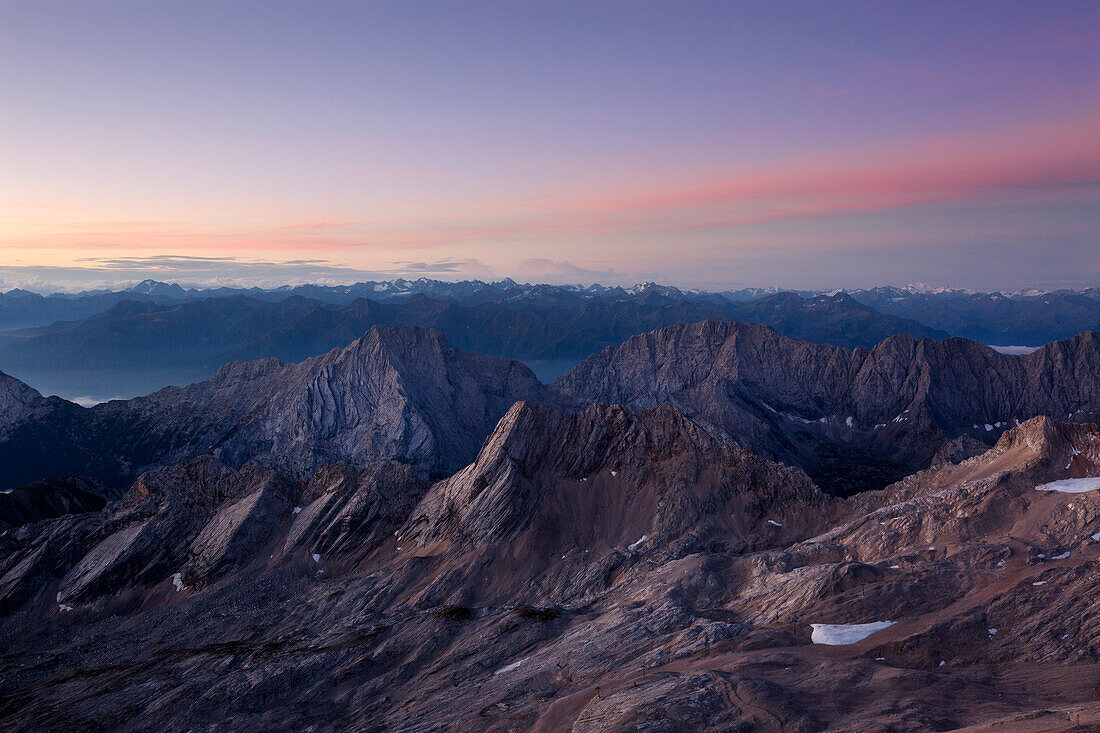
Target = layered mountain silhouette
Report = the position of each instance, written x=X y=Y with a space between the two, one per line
x=853 y=419
x=102 y=345
x=1024 y=319
x=139 y=343
x=708 y=526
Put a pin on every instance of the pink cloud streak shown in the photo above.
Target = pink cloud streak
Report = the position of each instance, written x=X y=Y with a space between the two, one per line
x=1042 y=162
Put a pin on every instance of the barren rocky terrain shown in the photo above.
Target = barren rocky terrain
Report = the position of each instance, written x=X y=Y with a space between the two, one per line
x=641 y=546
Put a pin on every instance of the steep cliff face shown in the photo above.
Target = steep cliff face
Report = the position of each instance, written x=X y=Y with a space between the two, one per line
x=395 y=393
x=17 y=402
x=852 y=419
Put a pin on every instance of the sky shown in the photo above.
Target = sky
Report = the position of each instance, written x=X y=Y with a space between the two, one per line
x=699 y=144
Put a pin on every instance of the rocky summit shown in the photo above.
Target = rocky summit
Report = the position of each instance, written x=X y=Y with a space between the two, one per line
x=710 y=527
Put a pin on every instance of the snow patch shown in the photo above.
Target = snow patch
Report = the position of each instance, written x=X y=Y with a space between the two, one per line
x=1063 y=556
x=774 y=523
x=1039 y=582
x=1013 y=350
x=614 y=473
x=842 y=634
x=509 y=667
x=991 y=632
x=633 y=545
x=848 y=422
x=62 y=607
x=177 y=580
x=297 y=509
x=1071 y=485
x=316 y=557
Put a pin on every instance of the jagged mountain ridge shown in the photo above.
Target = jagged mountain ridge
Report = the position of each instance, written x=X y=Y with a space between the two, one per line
x=827 y=409
x=853 y=419
x=394 y=393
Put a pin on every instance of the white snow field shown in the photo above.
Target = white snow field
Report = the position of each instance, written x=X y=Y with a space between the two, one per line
x=1072 y=485
x=841 y=634
x=1014 y=350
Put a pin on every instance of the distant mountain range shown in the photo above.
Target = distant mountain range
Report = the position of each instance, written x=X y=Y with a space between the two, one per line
x=24 y=309
x=119 y=344
x=1030 y=319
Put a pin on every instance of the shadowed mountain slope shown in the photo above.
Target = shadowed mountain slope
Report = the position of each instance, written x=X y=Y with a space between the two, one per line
x=850 y=418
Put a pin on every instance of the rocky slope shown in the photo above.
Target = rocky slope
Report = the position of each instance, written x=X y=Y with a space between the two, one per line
x=400 y=393
x=511 y=598
x=605 y=477
x=851 y=418
x=191 y=524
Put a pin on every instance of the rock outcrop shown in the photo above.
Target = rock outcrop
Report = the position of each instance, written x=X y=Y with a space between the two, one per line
x=347 y=511
x=17 y=402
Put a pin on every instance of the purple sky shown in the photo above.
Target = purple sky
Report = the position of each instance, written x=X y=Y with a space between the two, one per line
x=719 y=144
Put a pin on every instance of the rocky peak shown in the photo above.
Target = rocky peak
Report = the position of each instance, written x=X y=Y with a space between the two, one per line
x=1053 y=440
x=399 y=393
x=602 y=475
x=17 y=400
